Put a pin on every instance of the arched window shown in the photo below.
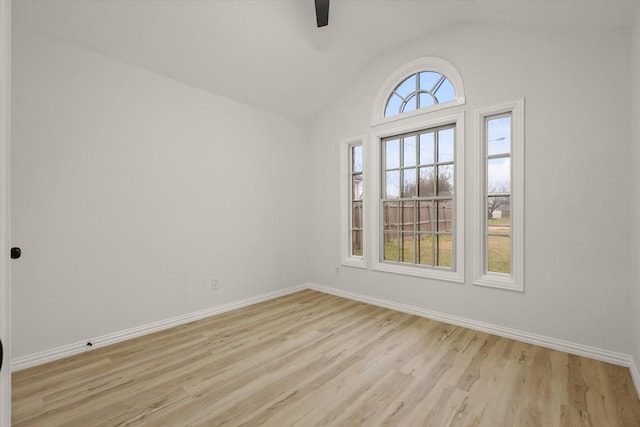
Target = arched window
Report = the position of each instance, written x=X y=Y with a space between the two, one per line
x=418 y=177
x=420 y=86
x=410 y=216
x=420 y=90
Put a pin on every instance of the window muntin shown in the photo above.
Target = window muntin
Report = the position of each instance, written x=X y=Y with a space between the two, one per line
x=498 y=193
x=420 y=90
x=417 y=200
x=357 y=190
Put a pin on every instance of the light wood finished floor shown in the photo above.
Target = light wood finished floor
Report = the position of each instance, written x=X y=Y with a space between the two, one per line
x=312 y=359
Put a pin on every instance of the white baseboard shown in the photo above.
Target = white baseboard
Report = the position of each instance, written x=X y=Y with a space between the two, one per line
x=543 y=341
x=540 y=340
x=81 y=346
x=635 y=375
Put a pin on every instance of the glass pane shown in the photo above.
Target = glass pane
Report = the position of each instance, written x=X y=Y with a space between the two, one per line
x=425 y=100
x=407 y=87
x=445 y=145
x=391 y=247
x=498 y=213
x=428 y=80
x=356 y=243
x=409 y=186
x=392 y=154
x=498 y=230
x=393 y=105
x=444 y=250
x=357 y=187
x=356 y=215
x=409 y=151
x=425 y=249
x=499 y=254
x=390 y=215
x=392 y=188
x=408 y=248
x=356 y=158
x=426 y=148
x=499 y=175
x=444 y=216
x=425 y=215
x=408 y=216
x=499 y=136
x=445 y=180
x=445 y=92
x=427 y=182
x=411 y=104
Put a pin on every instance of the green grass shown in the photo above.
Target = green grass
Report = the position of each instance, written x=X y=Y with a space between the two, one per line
x=445 y=255
x=499 y=222
x=499 y=254
x=499 y=245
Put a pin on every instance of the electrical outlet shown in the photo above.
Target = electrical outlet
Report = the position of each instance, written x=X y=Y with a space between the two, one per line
x=214 y=284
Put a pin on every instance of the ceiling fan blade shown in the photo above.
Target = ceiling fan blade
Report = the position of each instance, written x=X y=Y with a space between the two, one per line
x=322 y=13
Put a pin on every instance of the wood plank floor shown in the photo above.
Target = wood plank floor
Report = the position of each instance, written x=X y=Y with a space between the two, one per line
x=311 y=359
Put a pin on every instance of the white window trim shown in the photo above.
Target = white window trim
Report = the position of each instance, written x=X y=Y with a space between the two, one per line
x=427 y=63
x=411 y=124
x=514 y=281
x=346 y=257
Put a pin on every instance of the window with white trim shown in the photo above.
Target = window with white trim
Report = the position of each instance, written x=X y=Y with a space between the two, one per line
x=357 y=189
x=419 y=90
x=417 y=197
x=424 y=85
x=499 y=211
x=418 y=172
x=352 y=217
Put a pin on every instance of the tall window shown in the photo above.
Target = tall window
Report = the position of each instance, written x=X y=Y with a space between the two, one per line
x=417 y=174
x=417 y=203
x=498 y=189
x=499 y=225
x=352 y=220
x=357 y=190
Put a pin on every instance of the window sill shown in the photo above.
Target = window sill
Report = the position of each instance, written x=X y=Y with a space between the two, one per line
x=499 y=281
x=357 y=262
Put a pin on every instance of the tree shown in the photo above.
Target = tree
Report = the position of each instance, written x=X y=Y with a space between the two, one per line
x=427 y=184
x=498 y=197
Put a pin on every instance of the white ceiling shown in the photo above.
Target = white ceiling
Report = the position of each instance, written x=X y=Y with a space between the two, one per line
x=269 y=53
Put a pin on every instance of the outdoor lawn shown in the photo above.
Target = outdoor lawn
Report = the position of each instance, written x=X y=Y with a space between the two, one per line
x=499 y=245
x=439 y=252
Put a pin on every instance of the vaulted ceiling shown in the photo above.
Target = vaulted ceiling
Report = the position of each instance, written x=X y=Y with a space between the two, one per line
x=269 y=53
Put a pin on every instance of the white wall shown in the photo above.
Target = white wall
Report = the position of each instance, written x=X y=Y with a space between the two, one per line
x=131 y=191
x=635 y=223
x=577 y=172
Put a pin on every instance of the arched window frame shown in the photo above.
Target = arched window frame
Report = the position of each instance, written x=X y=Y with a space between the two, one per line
x=424 y=118
x=430 y=63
